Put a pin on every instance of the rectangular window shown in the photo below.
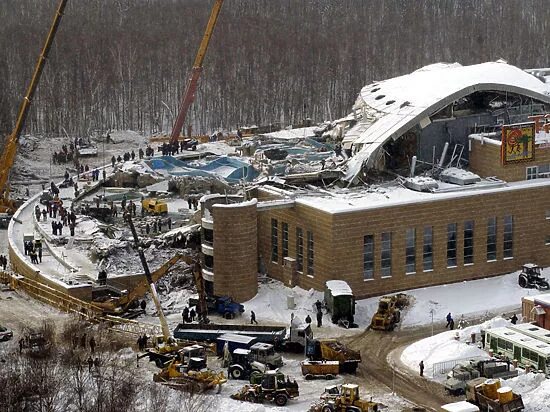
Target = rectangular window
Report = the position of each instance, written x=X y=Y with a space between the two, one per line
x=532 y=172
x=410 y=250
x=508 y=249
x=310 y=253
x=274 y=240
x=491 y=239
x=299 y=250
x=285 y=240
x=427 y=249
x=451 y=245
x=385 y=261
x=368 y=257
x=468 y=242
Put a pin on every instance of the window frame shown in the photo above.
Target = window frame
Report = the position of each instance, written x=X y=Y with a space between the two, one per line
x=299 y=250
x=508 y=237
x=428 y=255
x=452 y=228
x=310 y=253
x=468 y=242
x=410 y=251
x=368 y=257
x=274 y=240
x=284 y=246
x=491 y=243
x=386 y=254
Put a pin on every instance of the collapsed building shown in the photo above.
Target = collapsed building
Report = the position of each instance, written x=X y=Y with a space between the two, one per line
x=447 y=180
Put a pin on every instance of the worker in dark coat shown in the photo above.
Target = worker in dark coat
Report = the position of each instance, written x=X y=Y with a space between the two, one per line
x=185 y=314
x=449 y=318
x=319 y=319
x=253 y=317
x=308 y=319
x=421 y=366
x=514 y=319
x=192 y=314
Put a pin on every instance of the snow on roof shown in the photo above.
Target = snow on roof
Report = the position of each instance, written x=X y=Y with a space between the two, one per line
x=353 y=200
x=338 y=288
x=404 y=101
x=461 y=406
x=521 y=339
x=543 y=299
x=293 y=134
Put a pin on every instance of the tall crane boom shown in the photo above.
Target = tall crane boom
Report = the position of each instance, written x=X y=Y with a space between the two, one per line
x=191 y=87
x=154 y=294
x=10 y=149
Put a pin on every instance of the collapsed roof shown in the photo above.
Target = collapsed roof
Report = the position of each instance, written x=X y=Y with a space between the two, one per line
x=388 y=109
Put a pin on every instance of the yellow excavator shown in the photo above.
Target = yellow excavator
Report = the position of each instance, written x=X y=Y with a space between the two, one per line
x=8 y=206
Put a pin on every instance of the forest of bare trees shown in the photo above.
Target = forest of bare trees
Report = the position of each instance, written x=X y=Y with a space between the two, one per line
x=122 y=64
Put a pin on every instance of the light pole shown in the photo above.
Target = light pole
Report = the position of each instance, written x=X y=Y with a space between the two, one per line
x=432 y=311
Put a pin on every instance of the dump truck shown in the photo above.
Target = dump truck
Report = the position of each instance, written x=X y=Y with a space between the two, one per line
x=332 y=350
x=340 y=303
x=320 y=369
x=154 y=206
x=274 y=388
x=388 y=313
x=456 y=380
x=343 y=399
x=489 y=396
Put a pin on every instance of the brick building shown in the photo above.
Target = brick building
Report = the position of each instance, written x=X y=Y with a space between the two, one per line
x=446 y=193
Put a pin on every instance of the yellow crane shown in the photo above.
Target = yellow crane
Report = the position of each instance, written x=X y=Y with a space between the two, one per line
x=7 y=160
x=193 y=80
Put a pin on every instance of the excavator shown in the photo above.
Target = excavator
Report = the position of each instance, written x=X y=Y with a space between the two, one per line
x=8 y=206
x=193 y=80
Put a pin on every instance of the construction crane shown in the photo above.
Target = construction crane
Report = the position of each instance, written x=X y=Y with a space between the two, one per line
x=193 y=80
x=163 y=324
x=7 y=160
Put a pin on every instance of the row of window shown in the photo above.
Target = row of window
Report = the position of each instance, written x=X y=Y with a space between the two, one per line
x=309 y=246
x=427 y=247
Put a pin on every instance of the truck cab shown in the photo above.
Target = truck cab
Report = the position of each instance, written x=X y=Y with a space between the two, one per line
x=265 y=353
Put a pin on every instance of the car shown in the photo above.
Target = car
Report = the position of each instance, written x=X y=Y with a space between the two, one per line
x=5 y=334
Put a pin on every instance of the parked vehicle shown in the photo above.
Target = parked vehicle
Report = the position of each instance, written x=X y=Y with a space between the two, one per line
x=222 y=305
x=531 y=277
x=320 y=369
x=233 y=341
x=155 y=206
x=487 y=394
x=461 y=373
x=242 y=365
x=340 y=302
x=332 y=350
x=343 y=399
x=274 y=388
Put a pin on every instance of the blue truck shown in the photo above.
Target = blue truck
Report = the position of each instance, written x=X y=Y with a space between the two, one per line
x=222 y=305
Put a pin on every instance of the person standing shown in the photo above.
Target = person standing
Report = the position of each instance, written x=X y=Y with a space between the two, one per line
x=319 y=319
x=421 y=366
x=452 y=324
x=92 y=344
x=449 y=318
x=308 y=319
x=253 y=317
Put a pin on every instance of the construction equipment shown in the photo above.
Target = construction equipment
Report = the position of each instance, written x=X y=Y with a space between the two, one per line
x=320 y=369
x=274 y=388
x=192 y=377
x=343 y=399
x=183 y=355
x=222 y=305
x=7 y=205
x=388 y=313
x=242 y=365
x=332 y=350
x=120 y=304
x=489 y=396
x=340 y=302
x=456 y=380
x=191 y=87
x=155 y=206
x=531 y=277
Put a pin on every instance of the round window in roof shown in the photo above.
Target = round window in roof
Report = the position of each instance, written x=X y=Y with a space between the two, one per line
x=390 y=102
x=380 y=96
x=375 y=90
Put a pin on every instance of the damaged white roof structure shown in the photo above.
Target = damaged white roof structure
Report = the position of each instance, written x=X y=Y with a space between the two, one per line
x=388 y=109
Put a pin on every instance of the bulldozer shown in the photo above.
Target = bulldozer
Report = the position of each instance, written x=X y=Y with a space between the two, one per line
x=192 y=376
x=343 y=399
x=388 y=313
x=274 y=387
x=531 y=277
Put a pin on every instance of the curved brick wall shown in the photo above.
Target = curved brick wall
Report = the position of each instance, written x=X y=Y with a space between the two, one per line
x=236 y=250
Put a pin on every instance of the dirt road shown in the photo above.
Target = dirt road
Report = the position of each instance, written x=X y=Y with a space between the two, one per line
x=375 y=347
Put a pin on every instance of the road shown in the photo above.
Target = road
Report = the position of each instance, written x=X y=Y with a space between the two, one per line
x=376 y=347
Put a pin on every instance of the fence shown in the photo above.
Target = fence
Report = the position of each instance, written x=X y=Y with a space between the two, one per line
x=441 y=368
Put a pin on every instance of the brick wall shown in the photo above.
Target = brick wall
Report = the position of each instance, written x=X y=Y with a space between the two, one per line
x=339 y=239
x=235 y=250
x=485 y=161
